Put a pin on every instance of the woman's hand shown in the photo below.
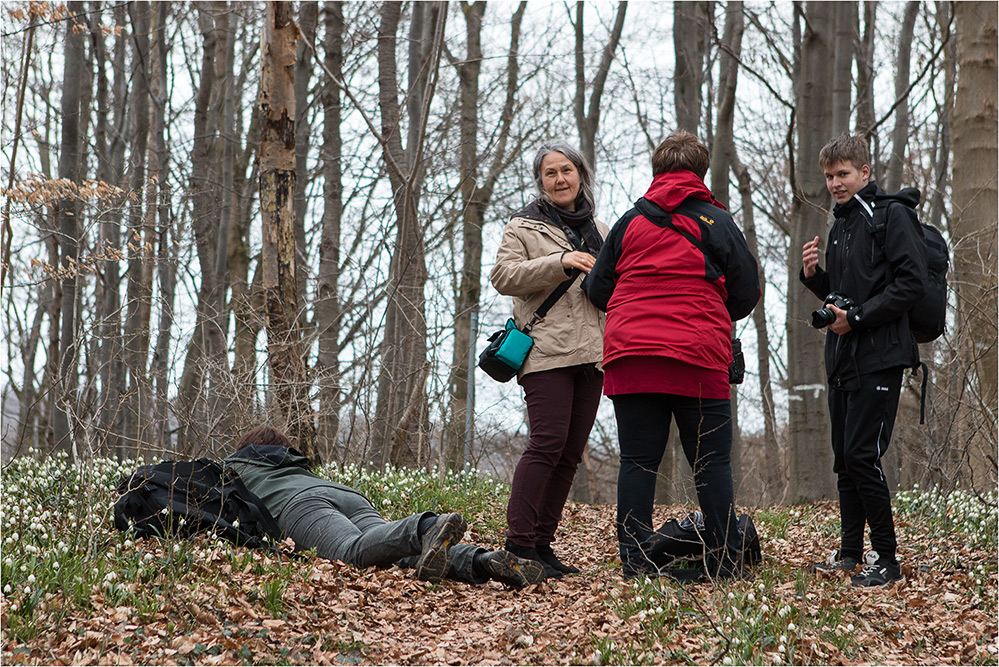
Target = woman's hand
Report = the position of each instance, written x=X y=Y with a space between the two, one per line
x=576 y=259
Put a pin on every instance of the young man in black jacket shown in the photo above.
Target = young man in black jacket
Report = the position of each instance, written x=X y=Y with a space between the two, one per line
x=868 y=345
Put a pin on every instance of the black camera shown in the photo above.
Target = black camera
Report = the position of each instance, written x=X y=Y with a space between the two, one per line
x=823 y=317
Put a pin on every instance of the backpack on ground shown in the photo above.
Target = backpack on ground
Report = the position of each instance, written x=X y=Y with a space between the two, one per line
x=928 y=319
x=185 y=498
x=678 y=541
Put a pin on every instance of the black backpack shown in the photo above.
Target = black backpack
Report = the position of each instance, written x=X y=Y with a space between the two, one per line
x=185 y=498
x=928 y=319
x=678 y=541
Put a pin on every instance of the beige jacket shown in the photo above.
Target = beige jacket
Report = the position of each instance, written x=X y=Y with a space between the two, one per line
x=528 y=268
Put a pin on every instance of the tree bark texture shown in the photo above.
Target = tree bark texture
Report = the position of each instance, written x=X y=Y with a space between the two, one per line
x=277 y=207
x=401 y=425
x=900 y=134
x=809 y=451
x=722 y=161
x=690 y=26
x=66 y=214
x=588 y=115
x=328 y=305
x=974 y=227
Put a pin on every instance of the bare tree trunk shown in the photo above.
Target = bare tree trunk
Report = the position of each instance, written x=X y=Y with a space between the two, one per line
x=308 y=16
x=942 y=144
x=773 y=478
x=974 y=227
x=66 y=215
x=865 y=73
x=722 y=161
x=690 y=27
x=166 y=263
x=328 y=309
x=400 y=425
x=277 y=206
x=476 y=193
x=809 y=453
x=845 y=39
x=139 y=291
x=111 y=170
x=588 y=116
x=900 y=135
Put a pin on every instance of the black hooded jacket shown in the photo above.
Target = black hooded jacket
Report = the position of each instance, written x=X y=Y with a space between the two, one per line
x=885 y=283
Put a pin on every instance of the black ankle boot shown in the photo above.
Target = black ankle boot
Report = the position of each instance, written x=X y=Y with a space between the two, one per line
x=530 y=553
x=548 y=556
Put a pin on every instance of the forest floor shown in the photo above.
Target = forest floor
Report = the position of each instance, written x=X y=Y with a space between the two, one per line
x=233 y=606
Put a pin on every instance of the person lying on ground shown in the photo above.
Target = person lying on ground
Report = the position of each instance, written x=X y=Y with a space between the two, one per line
x=340 y=523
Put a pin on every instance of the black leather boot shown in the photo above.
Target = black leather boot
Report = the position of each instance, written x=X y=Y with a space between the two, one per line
x=548 y=556
x=530 y=553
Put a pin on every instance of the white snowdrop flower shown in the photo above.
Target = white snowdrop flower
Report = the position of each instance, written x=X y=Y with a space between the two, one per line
x=726 y=660
x=62 y=546
x=165 y=511
x=147 y=557
x=638 y=600
x=728 y=619
x=731 y=595
x=849 y=627
x=791 y=627
x=782 y=639
x=751 y=597
x=27 y=590
x=128 y=544
x=110 y=576
x=24 y=568
x=56 y=565
x=781 y=649
x=235 y=523
x=14 y=607
x=761 y=587
x=7 y=589
x=764 y=609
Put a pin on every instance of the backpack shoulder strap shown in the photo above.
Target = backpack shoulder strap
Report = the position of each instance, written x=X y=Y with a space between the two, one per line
x=662 y=218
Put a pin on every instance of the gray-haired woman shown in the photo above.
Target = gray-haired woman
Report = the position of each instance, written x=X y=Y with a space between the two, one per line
x=542 y=245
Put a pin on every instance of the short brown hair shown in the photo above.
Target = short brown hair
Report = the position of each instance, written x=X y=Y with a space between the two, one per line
x=262 y=435
x=845 y=148
x=680 y=151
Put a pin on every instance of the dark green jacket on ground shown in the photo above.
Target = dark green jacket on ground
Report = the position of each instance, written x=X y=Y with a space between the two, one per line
x=276 y=474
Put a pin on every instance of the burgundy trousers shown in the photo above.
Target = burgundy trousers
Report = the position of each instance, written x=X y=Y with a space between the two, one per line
x=561 y=407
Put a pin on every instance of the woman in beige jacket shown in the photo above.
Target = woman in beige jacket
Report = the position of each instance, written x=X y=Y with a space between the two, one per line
x=552 y=240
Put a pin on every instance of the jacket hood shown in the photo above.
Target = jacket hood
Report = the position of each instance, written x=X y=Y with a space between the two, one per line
x=908 y=196
x=274 y=455
x=669 y=189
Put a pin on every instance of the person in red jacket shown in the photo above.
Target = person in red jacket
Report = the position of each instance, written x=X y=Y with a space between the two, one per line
x=673 y=274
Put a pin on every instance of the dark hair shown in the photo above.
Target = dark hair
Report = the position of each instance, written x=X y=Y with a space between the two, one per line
x=845 y=148
x=681 y=151
x=262 y=435
x=577 y=160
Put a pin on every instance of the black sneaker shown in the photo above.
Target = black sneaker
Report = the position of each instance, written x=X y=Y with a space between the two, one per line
x=508 y=569
x=530 y=553
x=434 y=559
x=881 y=573
x=834 y=563
x=548 y=556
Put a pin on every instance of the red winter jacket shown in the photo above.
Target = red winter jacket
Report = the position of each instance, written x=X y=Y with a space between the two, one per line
x=663 y=295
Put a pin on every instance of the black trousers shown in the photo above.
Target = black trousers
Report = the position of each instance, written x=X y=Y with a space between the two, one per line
x=862 y=422
x=705 y=427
